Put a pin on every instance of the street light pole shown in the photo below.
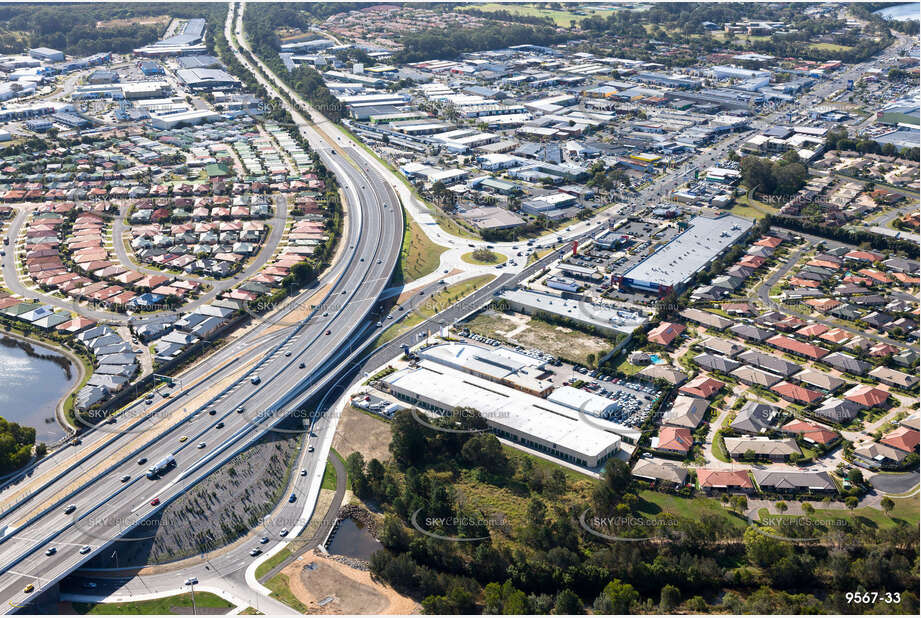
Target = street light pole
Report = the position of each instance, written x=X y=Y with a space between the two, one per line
x=192 y=586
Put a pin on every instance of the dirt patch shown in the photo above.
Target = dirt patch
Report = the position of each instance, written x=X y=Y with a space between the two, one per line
x=153 y=20
x=341 y=589
x=517 y=328
x=362 y=432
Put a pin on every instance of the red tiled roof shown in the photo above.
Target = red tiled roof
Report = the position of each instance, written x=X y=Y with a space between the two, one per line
x=702 y=386
x=724 y=478
x=793 y=392
x=665 y=333
x=866 y=395
x=797 y=347
x=903 y=438
x=812 y=330
x=675 y=439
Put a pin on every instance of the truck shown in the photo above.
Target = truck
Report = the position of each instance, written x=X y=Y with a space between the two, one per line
x=161 y=466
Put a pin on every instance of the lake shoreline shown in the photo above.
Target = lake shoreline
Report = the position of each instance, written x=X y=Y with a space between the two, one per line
x=74 y=372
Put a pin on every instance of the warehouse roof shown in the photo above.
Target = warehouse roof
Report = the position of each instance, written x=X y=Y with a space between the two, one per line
x=689 y=252
x=504 y=406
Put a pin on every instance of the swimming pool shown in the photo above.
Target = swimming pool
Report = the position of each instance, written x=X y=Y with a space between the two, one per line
x=656 y=360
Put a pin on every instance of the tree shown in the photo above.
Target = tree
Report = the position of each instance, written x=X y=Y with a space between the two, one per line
x=392 y=535
x=851 y=502
x=616 y=598
x=781 y=506
x=887 y=504
x=855 y=477
x=568 y=603
x=762 y=550
x=669 y=599
x=739 y=503
x=407 y=443
x=808 y=509
x=485 y=450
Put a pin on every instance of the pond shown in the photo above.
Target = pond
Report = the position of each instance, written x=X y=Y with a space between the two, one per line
x=33 y=379
x=353 y=540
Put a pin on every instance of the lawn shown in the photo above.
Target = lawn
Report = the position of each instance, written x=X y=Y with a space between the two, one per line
x=906 y=510
x=495 y=258
x=719 y=449
x=164 y=606
x=653 y=502
x=627 y=368
x=329 y=477
x=282 y=592
x=419 y=256
x=272 y=562
x=560 y=17
x=437 y=303
x=831 y=47
x=751 y=208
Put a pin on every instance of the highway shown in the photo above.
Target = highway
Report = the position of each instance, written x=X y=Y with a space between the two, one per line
x=107 y=507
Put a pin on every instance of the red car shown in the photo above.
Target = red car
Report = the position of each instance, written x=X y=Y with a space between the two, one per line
x=155 y=502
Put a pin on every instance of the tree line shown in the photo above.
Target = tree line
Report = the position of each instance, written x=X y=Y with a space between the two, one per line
x=540 y=560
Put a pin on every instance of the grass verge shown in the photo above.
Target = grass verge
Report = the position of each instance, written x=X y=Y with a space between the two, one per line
x=419 y=256
x=164 y=606
x=441 y=300
x=282 y=592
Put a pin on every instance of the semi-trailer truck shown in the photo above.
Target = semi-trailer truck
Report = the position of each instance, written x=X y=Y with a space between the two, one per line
x=161 y=466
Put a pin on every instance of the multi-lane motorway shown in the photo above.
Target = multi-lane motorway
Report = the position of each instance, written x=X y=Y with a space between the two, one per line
x=299 y=360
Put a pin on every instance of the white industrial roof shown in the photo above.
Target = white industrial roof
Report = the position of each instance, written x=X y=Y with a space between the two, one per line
x=505 y=407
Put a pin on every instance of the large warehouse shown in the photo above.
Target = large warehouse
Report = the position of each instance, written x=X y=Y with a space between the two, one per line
x=207 y=79
x=515 y=416
x=674 y=264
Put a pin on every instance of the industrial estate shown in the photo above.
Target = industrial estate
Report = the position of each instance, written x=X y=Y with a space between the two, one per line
x=460 y=308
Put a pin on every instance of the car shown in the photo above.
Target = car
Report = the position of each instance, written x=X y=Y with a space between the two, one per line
x=212 y=412
x=51 y=551
x=70 y=509
x=28 y=589
x=345 y=292
x=126 y=478
x=292 y=498
x=264 y=540
x=361 y=260
x=240 y=410
x=329 y=332
x=326 y=314
x=85 y=550
x=155 y=502
x=142 y=461
x=283 y=532
x=255 y=552
x=201 y=445
x=255 y=380
x=303 y=472
x=310 y=448
x=379 y=324
x=191 y=581
x=380 y=261
x=288 y=353
x=301 y=366
x=183 y=438
x=389 y=316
